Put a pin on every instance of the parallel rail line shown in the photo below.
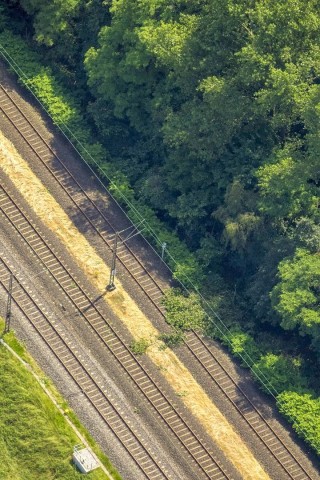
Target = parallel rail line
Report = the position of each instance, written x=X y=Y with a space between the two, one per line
x=246 y=408
x=80 y=198
x=142 y=455
x=197 y=450
x=196 y=345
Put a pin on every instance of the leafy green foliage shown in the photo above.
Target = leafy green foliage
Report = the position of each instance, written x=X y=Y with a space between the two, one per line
x=172 y=339
x=297 y=295
x=283 y=372
x=285 y=191
x=58 y=11
x=139 y=347
x=241 y=344
x=230 y=103
x=63 y=108
x=184 y=312
x=303 y=411
x=64 y=30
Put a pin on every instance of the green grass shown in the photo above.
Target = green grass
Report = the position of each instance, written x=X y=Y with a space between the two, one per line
x=36 y=442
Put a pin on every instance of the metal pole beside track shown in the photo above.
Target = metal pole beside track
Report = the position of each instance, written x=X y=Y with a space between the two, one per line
x=111 y=286
x=8 y=310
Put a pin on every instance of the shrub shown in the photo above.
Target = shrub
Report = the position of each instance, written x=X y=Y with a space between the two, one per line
x=171 y=339
x=283 y=372
x=303 y=411
x=242 y=345
x=139 y=347
x=184 y=312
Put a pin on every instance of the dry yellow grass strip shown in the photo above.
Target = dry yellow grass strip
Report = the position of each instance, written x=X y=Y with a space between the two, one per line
x=125 y=308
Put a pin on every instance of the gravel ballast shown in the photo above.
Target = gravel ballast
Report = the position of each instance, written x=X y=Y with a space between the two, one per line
x=117 y=384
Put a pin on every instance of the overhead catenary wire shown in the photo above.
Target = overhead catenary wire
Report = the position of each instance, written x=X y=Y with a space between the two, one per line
x=217 y=320
x=119 y=241
x=248 y=360
x=18 y=70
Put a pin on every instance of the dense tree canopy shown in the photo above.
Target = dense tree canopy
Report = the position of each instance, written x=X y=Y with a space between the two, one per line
x=296 y=296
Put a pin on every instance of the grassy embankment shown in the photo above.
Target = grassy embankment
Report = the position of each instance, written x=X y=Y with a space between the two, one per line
x=36 y=442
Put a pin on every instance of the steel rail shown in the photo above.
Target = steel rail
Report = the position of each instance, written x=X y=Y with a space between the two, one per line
x=140 y=454
x=245 y=407
x=273 y=450
x=67 y=189
x=76 y=294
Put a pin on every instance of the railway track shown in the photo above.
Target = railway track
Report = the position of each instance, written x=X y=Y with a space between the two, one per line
x=111 y=414
x=290 y=465
x=199 y=453
x=81 y=199
x=246 y=408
